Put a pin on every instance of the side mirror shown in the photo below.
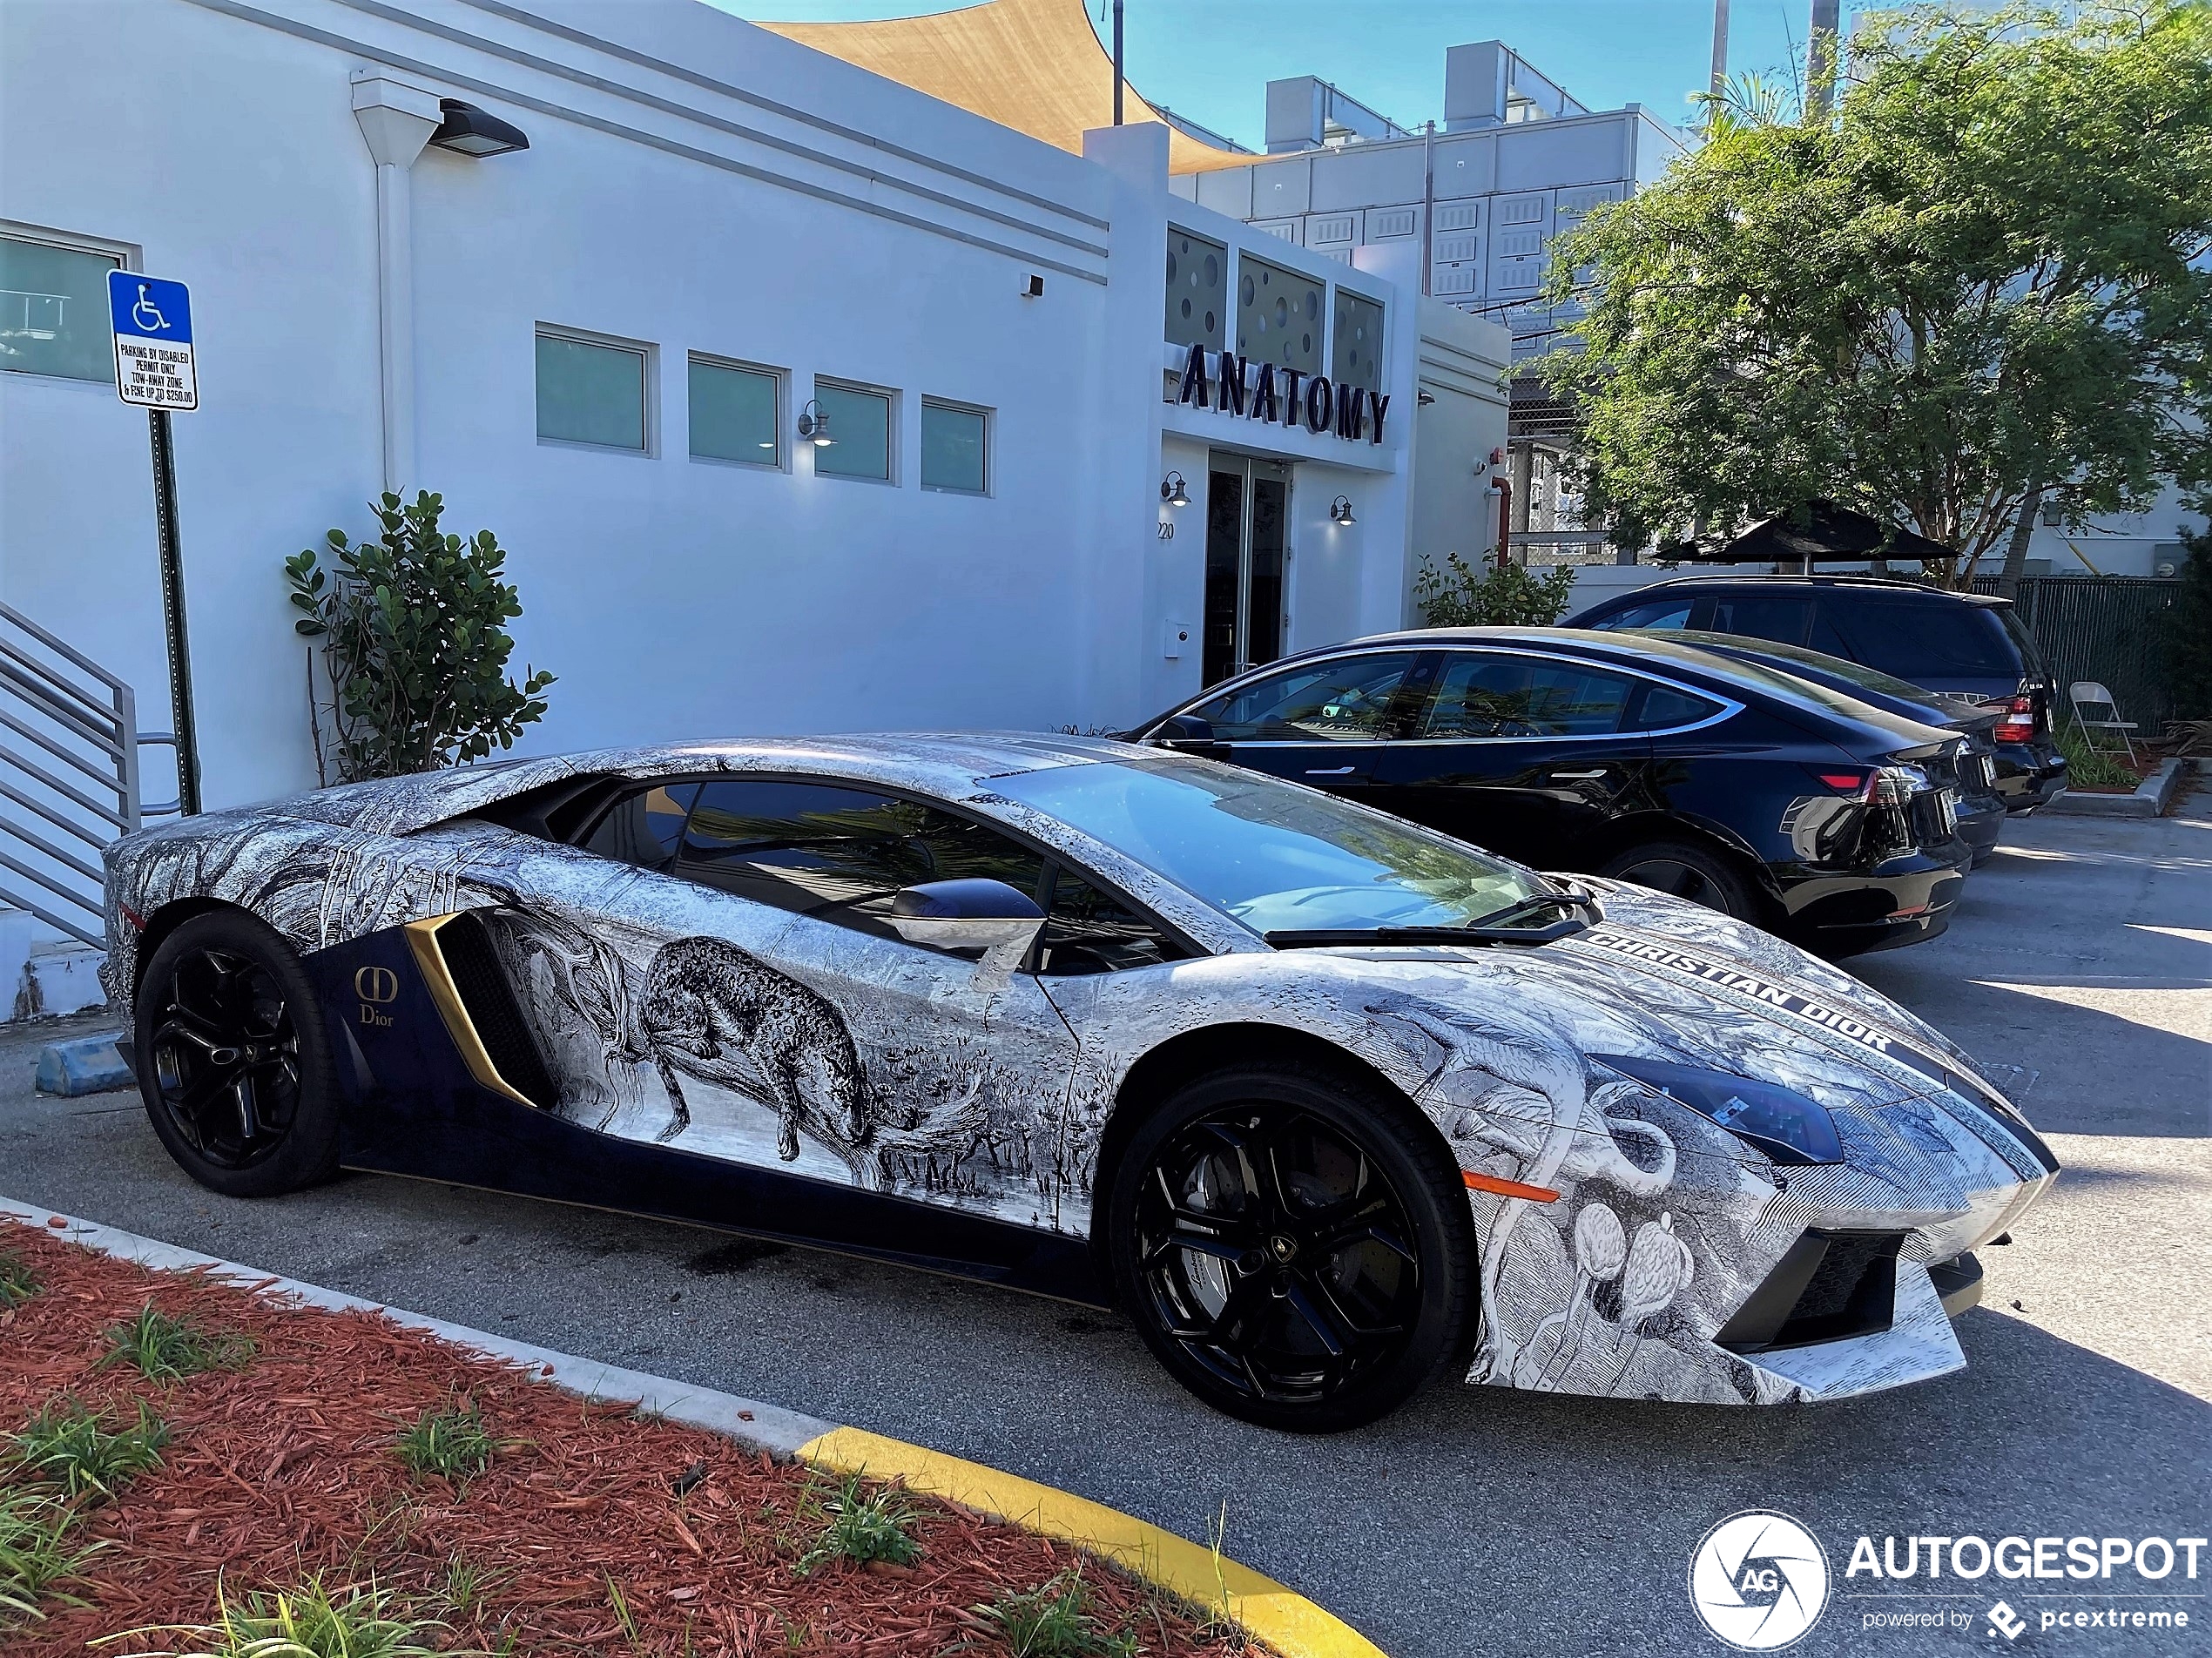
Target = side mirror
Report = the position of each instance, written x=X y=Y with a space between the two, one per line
x=974 y=914
x=1178 y=729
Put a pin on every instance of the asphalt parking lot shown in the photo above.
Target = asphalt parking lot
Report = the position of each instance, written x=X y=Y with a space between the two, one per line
x=1476 y=1520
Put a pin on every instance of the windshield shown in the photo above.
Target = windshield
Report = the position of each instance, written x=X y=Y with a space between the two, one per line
x=1276 y=856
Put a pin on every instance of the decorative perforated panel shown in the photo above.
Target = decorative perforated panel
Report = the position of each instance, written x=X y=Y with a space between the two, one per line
x=1197 y=290
x=1278 y=315
x=1355 y=354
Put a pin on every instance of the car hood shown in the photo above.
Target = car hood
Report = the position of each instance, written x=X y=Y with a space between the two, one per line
x=1490 y=1031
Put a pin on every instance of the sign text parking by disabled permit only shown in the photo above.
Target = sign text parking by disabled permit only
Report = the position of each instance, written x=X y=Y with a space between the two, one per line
x=153 y=351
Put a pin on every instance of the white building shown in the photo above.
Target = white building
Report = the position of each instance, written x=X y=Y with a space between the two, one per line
x=601 y=347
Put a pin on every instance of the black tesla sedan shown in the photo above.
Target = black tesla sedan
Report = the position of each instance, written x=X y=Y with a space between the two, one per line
x=1963 y=645
x=1775 y=800
x=1982 y=805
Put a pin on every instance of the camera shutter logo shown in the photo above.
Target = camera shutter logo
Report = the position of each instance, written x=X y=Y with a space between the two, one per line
x=1759 y=1581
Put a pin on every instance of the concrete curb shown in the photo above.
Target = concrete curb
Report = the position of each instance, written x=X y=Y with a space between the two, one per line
x=83 y=1065
x=1293 y=1626
x=2152 y=796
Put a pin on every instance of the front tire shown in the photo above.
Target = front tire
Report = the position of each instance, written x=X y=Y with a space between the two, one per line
x=1687 y=873
x=235 y=1060
x=1292 y=1244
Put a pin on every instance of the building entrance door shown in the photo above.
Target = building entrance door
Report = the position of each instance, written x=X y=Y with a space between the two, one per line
x=1248 y=515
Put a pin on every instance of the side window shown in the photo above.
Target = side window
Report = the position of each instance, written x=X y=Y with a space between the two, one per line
x=1659 y=613
x=1089 y=931
x=1486 y=696
x=838 y=854
x=1345 y=699
x=1755 y=617
x=1665 y=708
x=643 y=828
x=1923 y=639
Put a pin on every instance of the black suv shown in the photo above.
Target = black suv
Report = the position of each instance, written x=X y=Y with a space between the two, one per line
x=1778 y=801
x=1962 y=643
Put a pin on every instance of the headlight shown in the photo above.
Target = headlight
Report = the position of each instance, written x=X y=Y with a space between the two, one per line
x=1780 y=1121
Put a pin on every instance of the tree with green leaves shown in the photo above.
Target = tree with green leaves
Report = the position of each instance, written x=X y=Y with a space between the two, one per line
x=415 y=643
x=1976 y=288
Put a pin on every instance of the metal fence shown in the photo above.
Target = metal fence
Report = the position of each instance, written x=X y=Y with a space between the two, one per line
x=2105 y=628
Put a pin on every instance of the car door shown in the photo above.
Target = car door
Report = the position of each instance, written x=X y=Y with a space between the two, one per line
x=1325 y=723
x=740 y=994
x=1519 y=752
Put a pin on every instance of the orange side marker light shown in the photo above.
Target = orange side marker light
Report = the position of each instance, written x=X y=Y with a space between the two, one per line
x=1504 y=1188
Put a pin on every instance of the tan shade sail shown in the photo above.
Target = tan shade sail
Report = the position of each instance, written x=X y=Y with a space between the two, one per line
x=1034 y=65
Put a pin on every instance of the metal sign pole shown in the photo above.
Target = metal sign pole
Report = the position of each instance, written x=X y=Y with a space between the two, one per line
x=172 y=612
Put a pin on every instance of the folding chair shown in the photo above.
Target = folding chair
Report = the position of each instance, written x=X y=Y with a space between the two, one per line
x=2089 y=693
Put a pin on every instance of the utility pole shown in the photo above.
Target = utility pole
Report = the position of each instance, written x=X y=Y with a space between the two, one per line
x=1117 y=62
x=1821 y=57
x=1720 y=48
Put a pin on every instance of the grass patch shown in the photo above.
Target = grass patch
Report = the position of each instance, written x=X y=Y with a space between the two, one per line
x=310 y=1621
x=2088 y=766
x=451 y=1444
x=75 y=1449
x=469 y=1583
x=163 y=1349
x=862 y=1526
x=17 y=1282
x=1055 y=1621
x=36 y=1552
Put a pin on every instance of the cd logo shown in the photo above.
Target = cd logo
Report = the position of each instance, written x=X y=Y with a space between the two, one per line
x=1759 y=1581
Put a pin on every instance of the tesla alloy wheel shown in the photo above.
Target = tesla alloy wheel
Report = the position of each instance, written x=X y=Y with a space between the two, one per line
x=1686 y=872
x=1292 y=1244
x=232 y=1059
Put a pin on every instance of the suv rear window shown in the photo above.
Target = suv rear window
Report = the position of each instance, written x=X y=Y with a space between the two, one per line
x=1922 y=639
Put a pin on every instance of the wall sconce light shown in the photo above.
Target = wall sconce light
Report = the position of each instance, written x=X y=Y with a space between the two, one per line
x=814 y=425
x=1172 y=492
x=1340 y=511
x=471 y=131
x=1422 y=400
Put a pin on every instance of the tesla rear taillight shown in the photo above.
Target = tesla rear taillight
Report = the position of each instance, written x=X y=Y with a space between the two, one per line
x=2018 y=724
x=1846 y=782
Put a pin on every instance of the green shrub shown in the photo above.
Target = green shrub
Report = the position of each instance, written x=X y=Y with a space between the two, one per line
x=73 y=1448
x=862 y=1526
x=452 y=1444
x=164 y=1348
x=17 y=1282
x=2087 y=767
x=1459 y=595
x=310 y=1621
x=1055 y=1621
x=415 y=643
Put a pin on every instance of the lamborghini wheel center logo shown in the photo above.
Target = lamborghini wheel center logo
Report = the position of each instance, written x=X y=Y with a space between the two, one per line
x=1759 y=1581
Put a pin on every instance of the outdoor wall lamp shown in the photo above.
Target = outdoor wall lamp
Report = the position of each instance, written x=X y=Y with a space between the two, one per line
x=1340 y=511
x=471 y=131
x=814 y=425
x=1172 y=492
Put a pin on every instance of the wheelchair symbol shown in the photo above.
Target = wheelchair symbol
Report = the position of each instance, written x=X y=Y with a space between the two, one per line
x=147 y=314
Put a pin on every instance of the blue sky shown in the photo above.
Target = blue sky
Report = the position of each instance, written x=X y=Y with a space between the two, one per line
x=1211 y=59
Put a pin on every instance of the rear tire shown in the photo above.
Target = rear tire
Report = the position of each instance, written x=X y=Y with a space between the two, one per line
x=233 y=1058
x=1293 y=1244
x=1691 y=873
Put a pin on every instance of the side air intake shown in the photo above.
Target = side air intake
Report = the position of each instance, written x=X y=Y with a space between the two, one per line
x=461 y=969
x=1826 y=1287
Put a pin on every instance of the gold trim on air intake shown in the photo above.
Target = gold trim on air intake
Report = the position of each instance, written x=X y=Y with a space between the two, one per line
x=423 y=938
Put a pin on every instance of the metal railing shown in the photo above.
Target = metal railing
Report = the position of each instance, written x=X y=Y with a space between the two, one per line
x=69 y=776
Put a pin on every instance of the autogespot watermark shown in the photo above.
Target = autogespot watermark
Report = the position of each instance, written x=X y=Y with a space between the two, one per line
x=1760 y=1581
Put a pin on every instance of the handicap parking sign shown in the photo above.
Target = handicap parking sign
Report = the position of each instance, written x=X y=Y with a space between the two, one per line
x=153 y=352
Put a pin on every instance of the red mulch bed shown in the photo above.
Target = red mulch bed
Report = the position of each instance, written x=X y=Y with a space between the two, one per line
x=285 y=1468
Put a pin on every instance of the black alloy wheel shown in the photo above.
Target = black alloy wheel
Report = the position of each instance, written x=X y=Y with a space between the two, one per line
x=1291 y=1247
x=1686 y=872
x=233 y=1062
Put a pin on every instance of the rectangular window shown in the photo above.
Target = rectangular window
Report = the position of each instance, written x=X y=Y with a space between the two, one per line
x=1355 y=355
x=955 y=448
x=53 y=311
x=1197 y=290
x=733 y=414
x=860 y=432
x=593 y=391
x=1278 y=315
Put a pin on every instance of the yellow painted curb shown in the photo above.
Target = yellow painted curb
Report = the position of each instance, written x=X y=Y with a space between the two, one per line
x=1289 y=1623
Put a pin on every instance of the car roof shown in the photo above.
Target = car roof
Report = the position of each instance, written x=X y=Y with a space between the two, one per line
x=941 y=763
x=1878 y=583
